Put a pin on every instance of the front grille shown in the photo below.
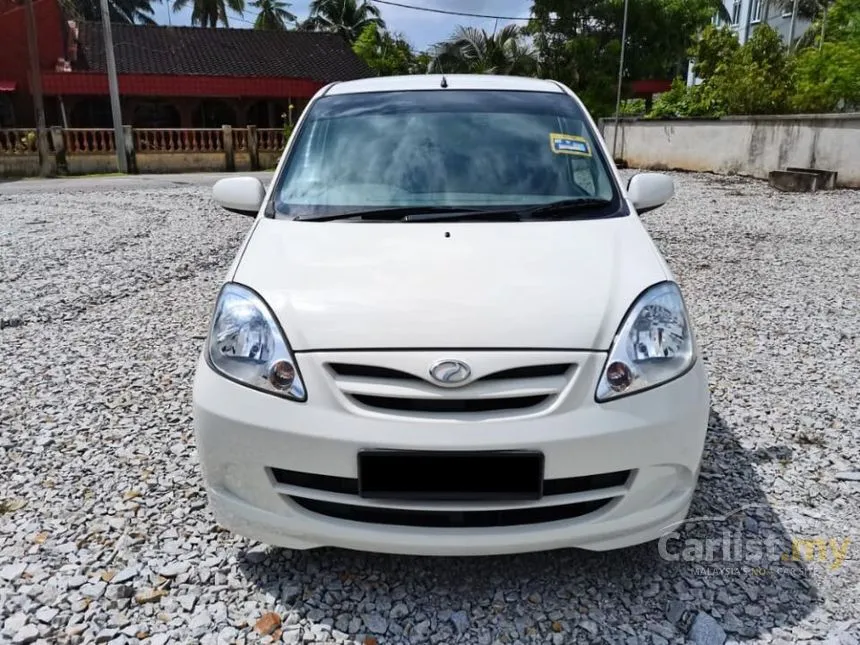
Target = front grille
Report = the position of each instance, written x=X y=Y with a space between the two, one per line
x=450 y=519
x=377 y=372
x=448 y=405
x=402 y=385
x=349 y=486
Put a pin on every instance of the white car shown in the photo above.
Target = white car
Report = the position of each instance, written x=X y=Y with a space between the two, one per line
x=448 y=333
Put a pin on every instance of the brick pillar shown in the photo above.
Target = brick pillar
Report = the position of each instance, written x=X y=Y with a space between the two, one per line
x=131 y=157
x=229 y=156
x=59 y=142
x=253 y=150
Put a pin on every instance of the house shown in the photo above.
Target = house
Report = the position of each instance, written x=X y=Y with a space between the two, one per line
x=746 y=15
x=168 y=76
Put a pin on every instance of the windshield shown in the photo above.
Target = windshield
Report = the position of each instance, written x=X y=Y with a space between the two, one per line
x=442 y=148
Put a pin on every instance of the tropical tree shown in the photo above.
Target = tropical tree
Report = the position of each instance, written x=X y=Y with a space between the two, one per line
x=208 y=13
x=273 y=14
x=348 y=18
x=386 y=53
x=579 y=42
x=127 y=11
x=474 y=51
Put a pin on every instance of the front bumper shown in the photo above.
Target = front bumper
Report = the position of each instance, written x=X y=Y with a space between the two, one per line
x=244 y=434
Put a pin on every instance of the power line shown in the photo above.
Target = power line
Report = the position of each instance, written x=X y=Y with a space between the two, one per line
x=448 y=12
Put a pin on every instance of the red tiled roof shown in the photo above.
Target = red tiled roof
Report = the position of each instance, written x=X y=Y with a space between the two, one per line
x=198 y=51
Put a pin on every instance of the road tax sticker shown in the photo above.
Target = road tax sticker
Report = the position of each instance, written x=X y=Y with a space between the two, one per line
x=569 y=144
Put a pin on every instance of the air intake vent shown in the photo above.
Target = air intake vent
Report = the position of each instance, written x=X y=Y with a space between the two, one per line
x=370 y=371
x=450 y=519
x=448 y=405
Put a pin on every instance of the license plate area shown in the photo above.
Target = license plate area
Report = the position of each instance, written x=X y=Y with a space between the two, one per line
x=450 y=475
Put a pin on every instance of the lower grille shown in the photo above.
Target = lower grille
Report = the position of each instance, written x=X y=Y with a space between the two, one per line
x=349 y=486
x=450 y=519
x=449 y=405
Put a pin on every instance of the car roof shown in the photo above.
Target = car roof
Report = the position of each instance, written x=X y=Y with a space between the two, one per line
x=454 y=82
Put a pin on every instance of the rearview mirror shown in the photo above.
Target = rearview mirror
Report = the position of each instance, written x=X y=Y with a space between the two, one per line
x=243 y=195
x=650 y=190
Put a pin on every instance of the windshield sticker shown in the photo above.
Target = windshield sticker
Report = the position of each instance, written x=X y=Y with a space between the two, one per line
x=569 y=144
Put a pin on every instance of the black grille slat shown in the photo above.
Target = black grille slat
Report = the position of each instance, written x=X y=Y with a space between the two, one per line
x=450 y=519
x=533 y=371
x=572 y=485
x=449 y=405
x=327 y=483
x=370 y=371
x=348 y=486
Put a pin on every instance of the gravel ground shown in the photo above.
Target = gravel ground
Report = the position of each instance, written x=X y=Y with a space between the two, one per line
x=105 y=535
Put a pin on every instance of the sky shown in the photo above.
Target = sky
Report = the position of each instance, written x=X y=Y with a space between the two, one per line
x=420 y=27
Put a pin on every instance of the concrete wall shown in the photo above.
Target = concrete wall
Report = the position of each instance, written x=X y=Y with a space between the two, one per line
x=19 y=165
x=744 y=145
x=161 y=162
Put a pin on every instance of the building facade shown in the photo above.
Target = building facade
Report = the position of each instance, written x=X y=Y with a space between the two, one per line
x=169 y=77
x=746 y=15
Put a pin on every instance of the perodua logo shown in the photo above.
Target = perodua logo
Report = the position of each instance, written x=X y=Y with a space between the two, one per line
x=450 y=372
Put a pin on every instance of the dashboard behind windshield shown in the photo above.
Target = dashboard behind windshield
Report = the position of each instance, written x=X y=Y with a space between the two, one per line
x=457 y=148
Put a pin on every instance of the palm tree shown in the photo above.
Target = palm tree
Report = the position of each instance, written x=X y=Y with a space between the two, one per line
x=208 y=13
x=273 y=14
x=345 y=17
x=127 y=11
x=474 y=51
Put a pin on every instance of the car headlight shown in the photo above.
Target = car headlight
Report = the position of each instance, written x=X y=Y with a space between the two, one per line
x=246 y=345
x=653 y=345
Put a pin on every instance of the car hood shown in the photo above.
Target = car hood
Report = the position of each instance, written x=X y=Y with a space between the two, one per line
x=364 y=285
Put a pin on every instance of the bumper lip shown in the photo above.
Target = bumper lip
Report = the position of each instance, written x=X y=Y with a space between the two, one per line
x=300 y=529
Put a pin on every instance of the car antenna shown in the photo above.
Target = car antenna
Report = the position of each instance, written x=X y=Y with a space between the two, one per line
x=444 y=82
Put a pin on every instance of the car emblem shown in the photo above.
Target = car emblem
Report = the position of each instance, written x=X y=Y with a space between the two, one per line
x=450 y=372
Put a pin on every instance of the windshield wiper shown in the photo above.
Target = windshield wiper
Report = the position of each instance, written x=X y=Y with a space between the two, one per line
x=565 y=207
x=446 y=213
x=405 y=213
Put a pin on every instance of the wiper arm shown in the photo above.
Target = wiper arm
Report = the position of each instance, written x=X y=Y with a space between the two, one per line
x=565 y=207
x=405 y=213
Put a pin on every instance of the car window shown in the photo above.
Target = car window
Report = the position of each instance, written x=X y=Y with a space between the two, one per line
x=441 y=148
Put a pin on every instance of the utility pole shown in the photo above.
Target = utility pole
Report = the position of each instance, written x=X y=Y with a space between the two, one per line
x=791 y=27
x=620 y=77
x=113 y=85
x=36 y=91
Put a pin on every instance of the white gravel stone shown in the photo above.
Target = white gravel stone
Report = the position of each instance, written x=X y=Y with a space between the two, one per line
x=27 y=634
x=111 y=290
x=12 y=571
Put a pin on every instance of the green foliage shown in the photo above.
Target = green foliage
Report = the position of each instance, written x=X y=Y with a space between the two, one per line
x=714 y=50
x=755 y=78
x=208 y=13
x=578 y=42
x=349 y=18
x=682 y=101
x=827 y=80
x=385 y=53
x=273 y=15
x=632 y=107
x=827 y=75
x=124 y=11
x=474 y=51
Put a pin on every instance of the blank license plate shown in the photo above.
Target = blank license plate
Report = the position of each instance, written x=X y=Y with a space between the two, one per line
x=448 y=476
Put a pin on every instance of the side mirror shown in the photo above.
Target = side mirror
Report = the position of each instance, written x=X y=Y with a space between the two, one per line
x=243 y=195
x=650 y=190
